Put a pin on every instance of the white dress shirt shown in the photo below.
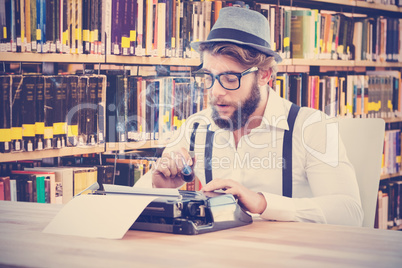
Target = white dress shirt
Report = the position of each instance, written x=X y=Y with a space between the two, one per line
x=325 y=189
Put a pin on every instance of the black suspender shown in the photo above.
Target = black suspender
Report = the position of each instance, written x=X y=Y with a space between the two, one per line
x=287 y=153
x=192 y=139
x=208 y=154
x=208 y=150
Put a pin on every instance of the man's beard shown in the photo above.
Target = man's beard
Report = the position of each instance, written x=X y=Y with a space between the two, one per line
x=241 y=115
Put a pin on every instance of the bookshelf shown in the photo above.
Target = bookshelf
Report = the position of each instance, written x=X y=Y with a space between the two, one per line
x=288 y=65
x=66 y=151
x=50 y=57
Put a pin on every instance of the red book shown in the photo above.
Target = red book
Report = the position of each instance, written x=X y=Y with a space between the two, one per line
x=1 y=190
x=6 y=188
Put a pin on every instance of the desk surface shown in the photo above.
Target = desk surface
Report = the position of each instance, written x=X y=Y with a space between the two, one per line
x=279 y=244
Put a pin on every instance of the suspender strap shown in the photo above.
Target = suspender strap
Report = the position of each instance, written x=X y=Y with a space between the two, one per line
x=287 y=153
x=208 y=155
x=192 y=138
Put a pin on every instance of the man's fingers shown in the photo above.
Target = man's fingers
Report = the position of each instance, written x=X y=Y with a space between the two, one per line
x=167 y=166
x=188 y=158
x=218 y=184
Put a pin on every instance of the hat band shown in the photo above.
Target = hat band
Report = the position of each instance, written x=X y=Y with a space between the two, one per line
x=237 y=35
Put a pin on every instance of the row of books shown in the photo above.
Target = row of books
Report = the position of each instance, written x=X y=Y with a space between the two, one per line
x=44 y=112
x=165 y=28
x=150 y=108
x=52 y=26
x=329 y=35
x=384 y=2
x=372 y=94
x=391 y=163
x=48 y=184
x=34 y=181
x=389 y=207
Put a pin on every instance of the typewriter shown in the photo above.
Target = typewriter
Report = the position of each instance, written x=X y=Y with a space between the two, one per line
x=188 y=212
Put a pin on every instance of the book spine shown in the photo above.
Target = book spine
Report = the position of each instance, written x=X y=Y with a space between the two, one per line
x=106 y=27
x=60 y=111
x=133 y=25
x=101 y=101
x=116 y=27
x=5 y=114
x=40 y=113
x=161 y=29
x=28 y=112
x=73 y=110
x=78 y=27
x=49 y=112
x=91 y=119
x=125 y=27
x=82 y=100
x=16 y=115
x=86 y=21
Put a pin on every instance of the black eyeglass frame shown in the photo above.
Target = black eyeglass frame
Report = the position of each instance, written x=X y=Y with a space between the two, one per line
x=218 y=76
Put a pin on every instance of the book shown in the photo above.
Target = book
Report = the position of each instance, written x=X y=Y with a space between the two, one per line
x=101 y=102
x=86 y=24
x=83 y=178
x=39 y=112
x=105 y=174
x=64 y=179
x=16 y=112
x=3 y=26
x=28 y=107
x=73 y=109
x=91 y=124
x=132 y=114
x=41 y=26
x=6 y=188
x=82 y=91
x=5 y=113
x=34 y=23
x=300 y=33
x=1 y=191
x=49 y=114
x=116 y=113
x=129 y=171
x=48 y=190
x=116 y=27
x=24 y=190
x=161 y=29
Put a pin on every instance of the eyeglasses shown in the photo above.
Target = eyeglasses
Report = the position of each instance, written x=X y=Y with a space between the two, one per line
x=228 y=80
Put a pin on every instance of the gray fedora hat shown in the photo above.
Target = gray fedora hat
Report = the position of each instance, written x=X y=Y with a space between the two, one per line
x=241 y=26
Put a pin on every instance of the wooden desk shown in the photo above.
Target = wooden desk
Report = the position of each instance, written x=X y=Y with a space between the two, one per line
x=263 y=243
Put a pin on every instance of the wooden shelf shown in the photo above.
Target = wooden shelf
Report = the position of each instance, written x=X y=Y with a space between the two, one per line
x=134 y=60
x=51 y=57
x=360 y=4
x=393 y=120
x=337 y=2
x=374 y=6
x=127 y=146
x=390 y=176
x=7 y=157
x=377 y=64
x=313 y=62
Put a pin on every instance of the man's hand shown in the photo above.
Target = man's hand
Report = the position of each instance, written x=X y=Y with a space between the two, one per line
x=249 y=200
x=167 y=171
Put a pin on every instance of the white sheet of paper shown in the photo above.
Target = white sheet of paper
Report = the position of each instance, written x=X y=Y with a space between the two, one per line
x=136 y=190
x=102 y=216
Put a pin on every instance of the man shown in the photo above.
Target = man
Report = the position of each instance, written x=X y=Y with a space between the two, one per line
x=280 y=161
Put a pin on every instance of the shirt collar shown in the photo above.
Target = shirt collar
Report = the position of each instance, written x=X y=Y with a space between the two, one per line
x=275 y=114
x=276 y=111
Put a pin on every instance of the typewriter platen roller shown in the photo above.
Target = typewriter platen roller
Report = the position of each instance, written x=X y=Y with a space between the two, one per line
x=192 y=213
